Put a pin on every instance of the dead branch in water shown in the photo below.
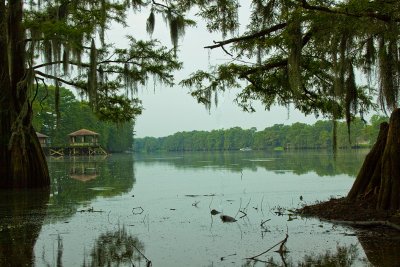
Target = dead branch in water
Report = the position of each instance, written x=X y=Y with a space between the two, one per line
x=282 y=248
x=244 y=214
x=148 y=262
x=137 y=210
x=223 y=258
x=90 y=210
x=263 y=222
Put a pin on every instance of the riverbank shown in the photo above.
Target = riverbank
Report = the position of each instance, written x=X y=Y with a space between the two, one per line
x=359 y=214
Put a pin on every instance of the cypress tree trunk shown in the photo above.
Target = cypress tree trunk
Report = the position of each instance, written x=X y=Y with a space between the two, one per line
x=22 y=160
x=378 y=181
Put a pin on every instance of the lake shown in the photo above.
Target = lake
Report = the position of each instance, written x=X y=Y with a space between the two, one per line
x=127 y=210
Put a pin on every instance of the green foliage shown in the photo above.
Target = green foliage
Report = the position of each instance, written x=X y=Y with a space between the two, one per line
x=70 y=35
x=307 y=54
x=75 y=115
x=277 y=137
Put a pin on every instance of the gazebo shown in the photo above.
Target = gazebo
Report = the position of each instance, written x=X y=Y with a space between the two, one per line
x=43 y=139
x=83 y=137
x=85 y=142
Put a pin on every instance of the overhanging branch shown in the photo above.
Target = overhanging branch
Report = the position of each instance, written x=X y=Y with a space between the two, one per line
x=48 y=76
x=374 y=15
x=276 y=64
x=248 y=37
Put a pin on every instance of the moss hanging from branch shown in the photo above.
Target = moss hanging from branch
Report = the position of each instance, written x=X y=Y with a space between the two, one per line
x=387 y=91
x=176 y=28
x=92 y=75
x=351 y=97
x=294 y=58
x=150 y=23
x=57 y=102
x=370 y=56
x=65 y=59
x=343 y=46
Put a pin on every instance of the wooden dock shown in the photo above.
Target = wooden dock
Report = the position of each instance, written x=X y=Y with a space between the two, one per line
x=80 y=149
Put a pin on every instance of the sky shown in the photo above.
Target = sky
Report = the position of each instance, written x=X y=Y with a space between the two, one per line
x=168 y=110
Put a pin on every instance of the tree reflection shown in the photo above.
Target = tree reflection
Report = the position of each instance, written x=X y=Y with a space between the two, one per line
x=116 y=248
x=344 y=256
x=78 y=180
x=382 y=248
x=21 y=218
x=322 y=163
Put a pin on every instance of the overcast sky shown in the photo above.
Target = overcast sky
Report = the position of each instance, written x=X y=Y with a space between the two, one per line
x=172 y=109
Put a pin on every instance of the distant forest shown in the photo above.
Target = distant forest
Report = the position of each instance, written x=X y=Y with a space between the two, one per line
x=278 y=137
x=75 y=115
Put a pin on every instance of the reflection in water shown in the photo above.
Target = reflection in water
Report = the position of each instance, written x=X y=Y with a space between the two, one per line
x=116 y=248
x=345 y=256
x=320 y=162
x=78 y=180
x=382 y=248
x=113 y=248
x=84 y=170
x=171 y=226
x=21 y=218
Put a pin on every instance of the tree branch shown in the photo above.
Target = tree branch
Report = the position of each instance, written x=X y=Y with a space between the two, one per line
x=374 y=15
x=248 y=37
x=276 y=64
x=59 y=62
x=48 y=76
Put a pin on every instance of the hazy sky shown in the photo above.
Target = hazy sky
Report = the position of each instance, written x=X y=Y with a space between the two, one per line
x=172 y=109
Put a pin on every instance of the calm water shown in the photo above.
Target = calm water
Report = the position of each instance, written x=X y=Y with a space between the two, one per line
x=124 y=210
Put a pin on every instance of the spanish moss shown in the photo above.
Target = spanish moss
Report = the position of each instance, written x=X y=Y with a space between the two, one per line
x=294 y=58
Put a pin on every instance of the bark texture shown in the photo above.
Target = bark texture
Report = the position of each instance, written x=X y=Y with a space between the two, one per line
x=378 y=181
x=22 y=161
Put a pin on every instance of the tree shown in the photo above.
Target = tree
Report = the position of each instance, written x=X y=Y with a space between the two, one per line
x=307 y=53
x=63 y=42
x=76 y=115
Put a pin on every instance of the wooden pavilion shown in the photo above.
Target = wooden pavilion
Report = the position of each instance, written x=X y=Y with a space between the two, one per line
x=43 y=139
x=85 y=142
x=81 y=142
x=83 y=137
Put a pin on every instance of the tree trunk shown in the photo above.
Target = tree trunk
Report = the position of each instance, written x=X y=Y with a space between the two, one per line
x=23 y=164
x=378 y=181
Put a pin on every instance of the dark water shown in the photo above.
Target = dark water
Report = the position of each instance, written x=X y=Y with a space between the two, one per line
x=127 y=210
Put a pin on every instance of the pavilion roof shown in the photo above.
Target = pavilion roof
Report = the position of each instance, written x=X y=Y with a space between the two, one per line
x=83 y=132
x=40 y=135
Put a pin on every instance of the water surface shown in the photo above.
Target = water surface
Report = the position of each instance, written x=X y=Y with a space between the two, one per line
x=126 y=210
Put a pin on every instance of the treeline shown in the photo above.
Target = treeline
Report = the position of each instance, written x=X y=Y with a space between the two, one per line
x=75 y=115
x=278 y=137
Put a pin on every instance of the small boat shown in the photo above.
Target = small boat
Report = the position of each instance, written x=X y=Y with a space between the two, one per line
x=246 y=149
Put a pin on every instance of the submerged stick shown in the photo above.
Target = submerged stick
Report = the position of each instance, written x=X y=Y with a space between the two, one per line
x=281 y=250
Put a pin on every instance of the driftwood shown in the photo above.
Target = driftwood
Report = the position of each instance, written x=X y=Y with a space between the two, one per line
x=282 y=249
x=90 y=210
x=263 y=222
x=137 y=210
x=223 y=258
x=148 y=262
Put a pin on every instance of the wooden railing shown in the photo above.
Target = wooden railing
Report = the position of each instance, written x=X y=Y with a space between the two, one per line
x=84 y=144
